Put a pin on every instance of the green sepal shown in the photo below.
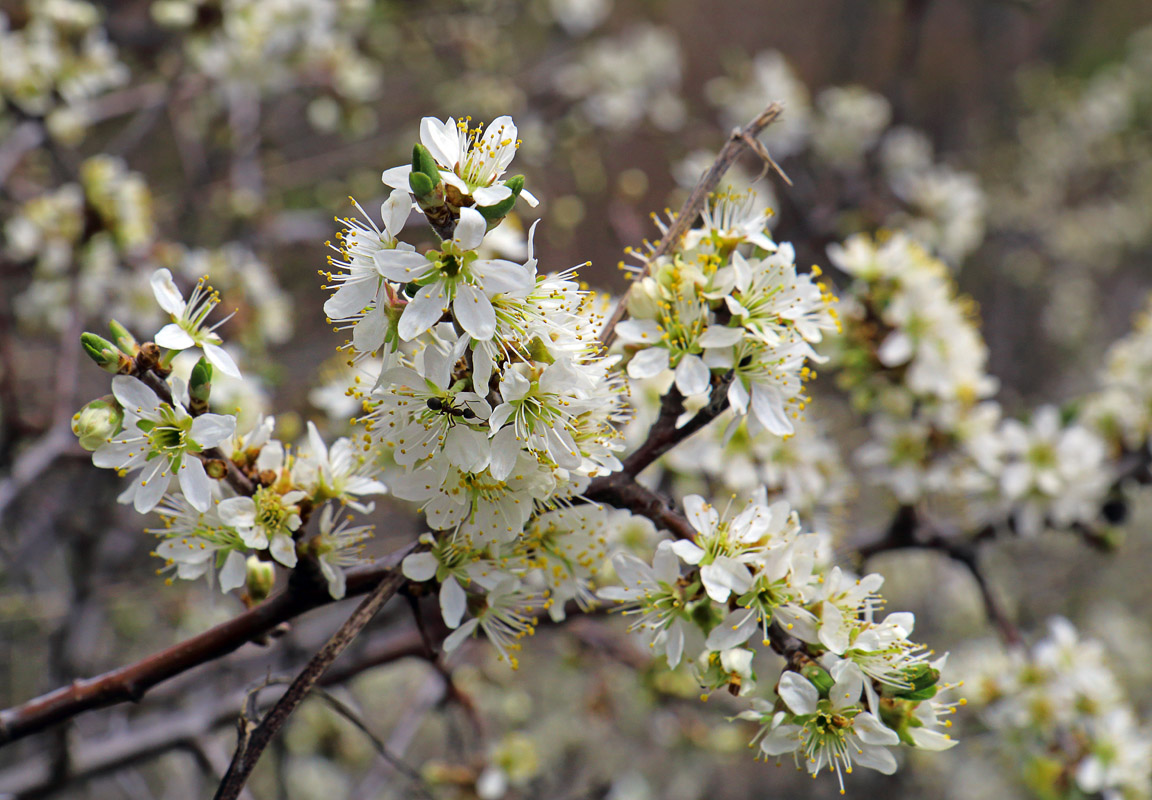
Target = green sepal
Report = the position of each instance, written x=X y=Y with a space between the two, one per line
x=919 y=695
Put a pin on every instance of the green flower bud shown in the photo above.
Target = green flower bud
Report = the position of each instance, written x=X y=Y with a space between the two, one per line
x=425 y=164
x=516 y=184
x=200 y=386
x=97 y=422
x=818 y=677
x=495 y=213
x=923 y=679
x=104 y=353
x=538 y=351
x=421 y=184
x=261 y=578
x=124 y=340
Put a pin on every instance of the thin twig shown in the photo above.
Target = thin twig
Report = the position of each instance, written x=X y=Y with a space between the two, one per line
x=248 y=751
x=740 y=140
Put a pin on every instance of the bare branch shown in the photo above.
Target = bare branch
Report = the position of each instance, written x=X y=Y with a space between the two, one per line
x=131 y=682
x=252 y=746
x=740 y=140
x=163 y=732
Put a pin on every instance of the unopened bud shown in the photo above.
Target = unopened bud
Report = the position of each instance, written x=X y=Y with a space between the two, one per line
x=818 y=677
x=97 y=422
x=921 y=683
x=104 y=353
x=124 y=340
x=538 y=351
x=216 y=468
x=421 y=184
x=260 y=580
x=200 y=386
x=496 y=212
x=424 y=164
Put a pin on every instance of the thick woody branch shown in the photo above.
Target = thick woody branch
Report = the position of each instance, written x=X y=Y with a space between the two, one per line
x=740 y=140
x=129 y=683
x=163 y=732
x=664 y=435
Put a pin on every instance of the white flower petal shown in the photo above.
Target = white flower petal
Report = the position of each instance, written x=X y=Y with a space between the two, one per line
x=167 y=295
x=648 y=363
x=474 y=312
x=134 y=396
x=208 y=430
x=351 y=298
x=639 y=331
x=195 y=483
x=442 y=138
x=220 y=359
x=419 y=566
x=720 y=336
x=692 y=377
x=798 y=693
x=234 y=573
x=453 y=602
x=174 y=337
x=424 y=311
x=402 y=266
x=457 y=637
x=470 y=229
x=397 y=177
x=491 y=195
x=283 y=549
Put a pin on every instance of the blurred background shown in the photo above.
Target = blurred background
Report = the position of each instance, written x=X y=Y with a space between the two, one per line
x=221 y=137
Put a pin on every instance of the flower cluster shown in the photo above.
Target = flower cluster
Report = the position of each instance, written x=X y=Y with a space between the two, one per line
x=1073 y=732
x=486 y=398
x=623 y=80
x=1121 y=411
x=806 y=467
x=755 y=574
x=270 y=44
x=1069 y=201
x=56 y=57
x=707 y=311
x=98 y=223
x=913 y=359
x=223 y=496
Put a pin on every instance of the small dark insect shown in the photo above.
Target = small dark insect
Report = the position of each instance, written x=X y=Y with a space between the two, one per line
x=444 y=406
x=745 y=361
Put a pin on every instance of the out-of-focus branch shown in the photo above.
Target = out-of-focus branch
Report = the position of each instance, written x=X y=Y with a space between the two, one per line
x=33 y=462
x=741 y=139
x=24 y=138
x=180 y=728
x=905 y=532
x=304 y=593
x=252 y=743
